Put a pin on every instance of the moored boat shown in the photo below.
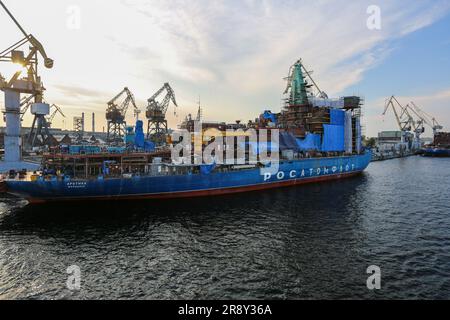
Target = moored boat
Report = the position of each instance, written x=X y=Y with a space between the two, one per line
x=169 y=181
x=313 y=139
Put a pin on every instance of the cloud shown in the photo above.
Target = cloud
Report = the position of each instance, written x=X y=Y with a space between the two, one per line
x=243 y=45
x=78 y=92
x=233 y=53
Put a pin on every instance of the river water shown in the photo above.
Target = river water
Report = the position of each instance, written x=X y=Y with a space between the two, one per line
x=306 y=242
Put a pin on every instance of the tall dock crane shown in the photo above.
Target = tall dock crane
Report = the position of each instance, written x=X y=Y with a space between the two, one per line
x=404 y=119
x=116 y=113
x=21 y=84
x=156 y=114
x=426 y=118
x=42 y=123
x=419 y=127
x=56 y=110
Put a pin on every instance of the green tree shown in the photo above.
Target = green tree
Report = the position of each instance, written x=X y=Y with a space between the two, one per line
x=370 y=142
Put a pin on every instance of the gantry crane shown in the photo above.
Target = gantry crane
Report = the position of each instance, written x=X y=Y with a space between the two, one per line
x=33 y=84
x=41 y=125
x=56 y=110
x=156 y=114
x=426 y=118
x=418 y=127
x=39 y=128
x=404 y=119
x=116 y=113
x=21 y=84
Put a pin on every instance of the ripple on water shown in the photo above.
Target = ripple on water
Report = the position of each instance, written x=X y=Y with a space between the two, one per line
x=306 y=242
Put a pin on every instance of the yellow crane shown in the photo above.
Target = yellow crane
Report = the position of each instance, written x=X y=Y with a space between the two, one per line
x=404 y=119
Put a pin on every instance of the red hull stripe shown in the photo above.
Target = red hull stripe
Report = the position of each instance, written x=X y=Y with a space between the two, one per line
x=201 y=193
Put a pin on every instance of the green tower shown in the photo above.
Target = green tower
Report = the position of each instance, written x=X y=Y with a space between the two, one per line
x=298 y=85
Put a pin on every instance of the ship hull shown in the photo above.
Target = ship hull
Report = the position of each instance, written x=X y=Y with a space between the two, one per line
x=290 y=173
x=437 y=152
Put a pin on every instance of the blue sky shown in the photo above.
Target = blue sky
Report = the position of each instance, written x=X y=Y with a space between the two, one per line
x=235 y=54
x=417 y=68
x=418 y=64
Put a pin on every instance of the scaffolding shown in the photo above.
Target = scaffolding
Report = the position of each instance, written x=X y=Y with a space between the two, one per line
x=78 y=126
x=307 y=108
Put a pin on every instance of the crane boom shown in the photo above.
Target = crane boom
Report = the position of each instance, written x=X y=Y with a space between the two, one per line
x=25 y=104
x=30 y=62
x=156 y=114
x=57 y=110
x=390 y=103
x=124 y=105
x=406 y=121
x=13 y=19
x=116 y=113
x=161 y=108
x=29 y=83
x=36 y=45
x=427 y=118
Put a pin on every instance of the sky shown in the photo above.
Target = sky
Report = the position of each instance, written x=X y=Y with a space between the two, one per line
x=234 y=54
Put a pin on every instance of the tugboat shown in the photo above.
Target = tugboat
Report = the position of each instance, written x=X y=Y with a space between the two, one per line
x=440 y=147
